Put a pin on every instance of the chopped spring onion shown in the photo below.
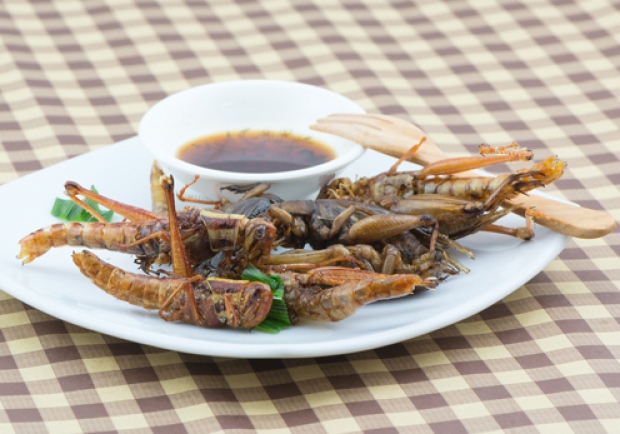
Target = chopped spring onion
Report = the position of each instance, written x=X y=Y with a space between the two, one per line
x=277 y=319
x=72 y=212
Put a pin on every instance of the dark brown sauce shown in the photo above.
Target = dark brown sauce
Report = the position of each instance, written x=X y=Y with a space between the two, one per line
x=255 y=152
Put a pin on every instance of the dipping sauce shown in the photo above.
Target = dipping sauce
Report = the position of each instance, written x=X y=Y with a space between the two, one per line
x=255 y=152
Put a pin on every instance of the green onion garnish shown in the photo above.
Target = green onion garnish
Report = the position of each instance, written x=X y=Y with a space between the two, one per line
x=72 y=212
x=277 y=319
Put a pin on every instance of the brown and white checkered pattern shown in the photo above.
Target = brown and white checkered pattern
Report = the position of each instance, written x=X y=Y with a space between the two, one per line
x=76 y=76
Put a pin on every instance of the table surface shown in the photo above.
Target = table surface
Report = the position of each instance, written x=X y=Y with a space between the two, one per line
x=77 y=76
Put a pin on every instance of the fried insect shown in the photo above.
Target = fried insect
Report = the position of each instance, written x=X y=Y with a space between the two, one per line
x=306 y=295
x=208 y=302
x=183 y=296
x=462 y=205
x=145 y=234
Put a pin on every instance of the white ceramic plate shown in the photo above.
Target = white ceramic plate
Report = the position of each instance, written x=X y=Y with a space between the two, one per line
x=53 y=284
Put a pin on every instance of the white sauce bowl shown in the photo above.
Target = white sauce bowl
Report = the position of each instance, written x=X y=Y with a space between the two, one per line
x=232 y=106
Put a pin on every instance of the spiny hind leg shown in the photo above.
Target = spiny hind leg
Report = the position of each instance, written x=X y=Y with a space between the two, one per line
x=130 y=212
x=180 y=261
x=512 y=149
x=502 y=154
x=453 y=166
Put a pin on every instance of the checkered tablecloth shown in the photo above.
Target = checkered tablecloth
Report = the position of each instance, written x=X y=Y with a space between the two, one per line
x=76 y=76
